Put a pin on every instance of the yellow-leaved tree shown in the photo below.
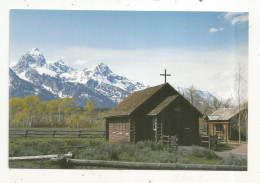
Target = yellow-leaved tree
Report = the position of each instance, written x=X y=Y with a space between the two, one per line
x=89 y=114
x=32 y=110
x=16 y=105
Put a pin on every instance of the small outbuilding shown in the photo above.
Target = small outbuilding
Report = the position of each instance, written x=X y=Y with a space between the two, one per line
x=223 y=123
x=153 y=113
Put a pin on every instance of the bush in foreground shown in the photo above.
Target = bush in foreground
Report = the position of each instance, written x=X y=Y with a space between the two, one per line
x=145 y=151
x=203 y=153
x=233 y=160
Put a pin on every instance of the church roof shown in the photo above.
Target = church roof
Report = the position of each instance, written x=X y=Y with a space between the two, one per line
x=163 y=105
x=133 y=101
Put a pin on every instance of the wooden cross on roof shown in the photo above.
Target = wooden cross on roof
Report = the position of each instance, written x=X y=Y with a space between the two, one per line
x=165 y=75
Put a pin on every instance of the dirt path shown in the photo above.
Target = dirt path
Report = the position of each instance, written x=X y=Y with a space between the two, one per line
x=240 y=152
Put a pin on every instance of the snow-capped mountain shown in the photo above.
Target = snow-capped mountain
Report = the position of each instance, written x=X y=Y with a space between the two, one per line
x=33 y=75
x=201 y=95
x=59 y=67
x=105 y=81
x=100 y=84
x=20 y=88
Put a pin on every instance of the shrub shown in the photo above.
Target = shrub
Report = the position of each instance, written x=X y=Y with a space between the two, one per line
x=233 y=160
x=125 y=156
x=155 y=146
x=203 y=153
x=144 y=155
x=96 y=149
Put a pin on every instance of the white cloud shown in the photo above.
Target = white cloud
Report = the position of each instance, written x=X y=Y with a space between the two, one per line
x=239 y=19
x=212 y=30
x=236 y=17
x=230 y=15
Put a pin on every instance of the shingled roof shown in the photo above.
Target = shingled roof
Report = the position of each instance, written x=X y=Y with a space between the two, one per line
x=162 y=105
x=133 y=101
x=223 y=114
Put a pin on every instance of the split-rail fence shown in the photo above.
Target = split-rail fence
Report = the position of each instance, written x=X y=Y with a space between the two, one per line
x=57 y=133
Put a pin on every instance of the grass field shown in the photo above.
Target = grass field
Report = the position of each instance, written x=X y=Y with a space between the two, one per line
x=99 y=149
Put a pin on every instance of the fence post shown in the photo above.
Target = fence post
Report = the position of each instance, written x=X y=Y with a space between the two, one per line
x=54 y=131
x=62 y=160
x=169 y=139
x=79 y=135
x=209 y=142
x=26 y=133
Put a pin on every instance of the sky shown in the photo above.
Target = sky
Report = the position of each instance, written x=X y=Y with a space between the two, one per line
x=197 y=48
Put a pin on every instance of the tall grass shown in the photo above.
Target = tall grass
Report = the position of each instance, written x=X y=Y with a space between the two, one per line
x=146 y=151
x=99 y=149
x=203 y=153
x=42 y=146
x=233 y=160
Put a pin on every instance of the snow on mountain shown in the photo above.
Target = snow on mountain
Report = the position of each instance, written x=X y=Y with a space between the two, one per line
x=44 y=70
x=102 y=75
x=99 y=83
x=31 y=59
x=20 y=88
x=59 y=67
x=202 y=95
x=57 y=79
x=102 y=79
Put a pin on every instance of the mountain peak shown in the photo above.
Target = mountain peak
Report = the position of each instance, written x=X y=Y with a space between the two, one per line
x=34 y=56
x=57 y=62
x=103 y=69
x=102 y=65
x=35 y=50
x=59 y=66
x=31 y=59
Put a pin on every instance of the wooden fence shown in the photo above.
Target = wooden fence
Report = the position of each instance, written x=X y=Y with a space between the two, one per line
x=41 y=157
x=48 y=133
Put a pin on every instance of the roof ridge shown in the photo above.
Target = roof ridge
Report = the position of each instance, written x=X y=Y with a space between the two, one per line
x=134 y=101
x=159 y=87
x=225 y=113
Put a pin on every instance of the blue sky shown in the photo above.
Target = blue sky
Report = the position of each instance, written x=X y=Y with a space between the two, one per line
x=199 y=48
x=122 y=30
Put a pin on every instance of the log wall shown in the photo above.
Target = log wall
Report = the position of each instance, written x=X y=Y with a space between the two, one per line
x=118 y=129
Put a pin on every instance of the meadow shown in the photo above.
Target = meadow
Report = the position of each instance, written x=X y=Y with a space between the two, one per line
x=99 y=149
